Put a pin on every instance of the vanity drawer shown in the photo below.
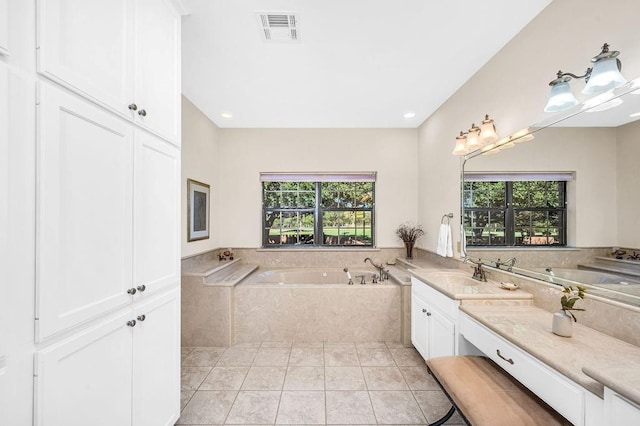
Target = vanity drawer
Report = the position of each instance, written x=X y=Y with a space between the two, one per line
x=446 y=305
x=559 y=392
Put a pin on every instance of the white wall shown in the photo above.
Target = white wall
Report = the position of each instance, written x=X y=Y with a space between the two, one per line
x=200 y=161
x=244 y=153
x=513 y=88
x=628 y=185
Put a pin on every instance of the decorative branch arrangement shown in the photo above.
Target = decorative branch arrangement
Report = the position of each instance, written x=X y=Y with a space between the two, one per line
x=570 y=297
x=409 y=233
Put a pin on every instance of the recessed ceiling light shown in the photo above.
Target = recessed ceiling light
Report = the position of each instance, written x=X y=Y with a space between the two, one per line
x=409 y=114
x=634 y=115
x=226 y=115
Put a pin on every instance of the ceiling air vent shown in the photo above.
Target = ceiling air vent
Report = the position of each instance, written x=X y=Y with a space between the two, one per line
x=278 y=26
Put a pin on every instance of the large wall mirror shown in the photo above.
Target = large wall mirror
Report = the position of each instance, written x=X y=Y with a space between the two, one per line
x=595 y=149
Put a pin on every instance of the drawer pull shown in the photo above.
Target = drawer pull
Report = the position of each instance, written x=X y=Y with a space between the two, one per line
x=510 y=361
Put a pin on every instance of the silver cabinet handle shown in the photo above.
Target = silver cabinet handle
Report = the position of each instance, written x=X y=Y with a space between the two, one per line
x=428 y=314
x=142 y=113
x=510 y=361
x=132 y=291
x=133 y=107
x=142 y=317
x=131 y=323
x=141 y=288
x=424 y=311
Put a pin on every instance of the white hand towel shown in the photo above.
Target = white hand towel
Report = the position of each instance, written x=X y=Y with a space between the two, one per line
x=445 y=247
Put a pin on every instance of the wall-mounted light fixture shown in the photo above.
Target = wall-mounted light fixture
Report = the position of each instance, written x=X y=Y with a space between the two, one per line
x=604 y=75
x=476 y=137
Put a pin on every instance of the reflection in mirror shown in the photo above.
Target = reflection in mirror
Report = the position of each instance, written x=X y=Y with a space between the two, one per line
x=593 y=151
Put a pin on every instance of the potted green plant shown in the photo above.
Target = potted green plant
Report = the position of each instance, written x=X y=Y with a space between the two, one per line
x=409 y=233
x=563 y=319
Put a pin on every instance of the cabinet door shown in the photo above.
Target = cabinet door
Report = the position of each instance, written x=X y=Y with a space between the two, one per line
x=84 y=215
x=4 y=27
x=86 y=380
x=157 y=213
x=620 y=411
x=88 y=47
x=156 y=361
x=4 y=245
x=441 y=335
x=419 y=325
x=157 y=83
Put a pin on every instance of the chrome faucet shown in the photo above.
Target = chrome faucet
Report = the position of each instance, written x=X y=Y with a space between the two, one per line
x=478 y=271
x=383 y=272
x=509 y=263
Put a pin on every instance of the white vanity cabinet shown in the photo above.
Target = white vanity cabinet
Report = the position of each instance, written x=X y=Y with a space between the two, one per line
x=124 y=370
x=433 y=317
x=123 y=54
x=618 y=410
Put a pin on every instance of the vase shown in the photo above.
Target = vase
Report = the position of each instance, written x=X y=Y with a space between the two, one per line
x=409 y=246
x=562 y=324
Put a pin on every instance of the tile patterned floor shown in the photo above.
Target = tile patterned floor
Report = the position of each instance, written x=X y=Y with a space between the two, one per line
x=309 y=383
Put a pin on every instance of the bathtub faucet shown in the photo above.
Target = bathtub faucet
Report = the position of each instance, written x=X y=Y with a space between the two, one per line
x=383 y=272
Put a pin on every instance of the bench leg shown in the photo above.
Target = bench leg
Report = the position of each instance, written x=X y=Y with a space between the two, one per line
x=444 y=418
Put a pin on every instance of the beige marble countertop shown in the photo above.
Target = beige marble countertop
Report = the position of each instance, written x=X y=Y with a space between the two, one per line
x=458 y=284
x=614 y=363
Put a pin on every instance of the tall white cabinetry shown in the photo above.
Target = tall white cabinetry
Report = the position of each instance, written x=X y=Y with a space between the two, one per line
x=4 y=27
x=107 y=213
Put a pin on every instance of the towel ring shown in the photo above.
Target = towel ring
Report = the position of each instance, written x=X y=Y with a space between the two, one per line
x=448 y=217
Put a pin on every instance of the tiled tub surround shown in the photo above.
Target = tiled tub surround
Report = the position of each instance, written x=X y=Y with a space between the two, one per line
x=223 y=312
x=309 y=383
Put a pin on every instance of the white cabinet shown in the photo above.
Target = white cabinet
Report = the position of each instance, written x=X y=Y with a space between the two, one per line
x=5 y=299
x=620 y=411
x=91 y=166
x=84 y=242
x=123 y=371
x=156 y=361
x=123 y=54
x=4 y=27
x=433 y=331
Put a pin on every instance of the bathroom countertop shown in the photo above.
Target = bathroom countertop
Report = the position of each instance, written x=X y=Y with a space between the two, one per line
x=458 y=284
x=589 y=358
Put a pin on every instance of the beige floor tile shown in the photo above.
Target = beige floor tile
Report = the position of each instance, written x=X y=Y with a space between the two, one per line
x=407 y=357
x=185 y=397
x=304 y=378
x=245 y=345
x=339 y=345
x=349 y=407
x=341 y=357
x=207 y=407
x=396 y=407
x=254 y=407
x=434 y=405
x=309 y=357
x=276 y=345
x=192 y=377
x=203 y=357
x=272 y=357
x=185 y=351
x=371 y=345
x=394 y=345
x=375 y=357
x=264 y=378
x=418 y=378
x=315 y=345
x=237 y=357
x=224 y=378
x=301 y=408
x=384 y=378
x=344 y=378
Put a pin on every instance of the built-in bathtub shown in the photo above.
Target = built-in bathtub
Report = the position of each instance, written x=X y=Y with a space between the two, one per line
x=316 y=304
x=586 y=277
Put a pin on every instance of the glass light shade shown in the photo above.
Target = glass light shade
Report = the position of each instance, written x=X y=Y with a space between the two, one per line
x=488 y=132
x=561 y=98
x=604 y=76
x=523 y=135
x=473 y=138
x=460 y=148
x=489 y=149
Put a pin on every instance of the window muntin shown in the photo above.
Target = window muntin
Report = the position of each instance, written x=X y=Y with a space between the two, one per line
x=327 y=213
x=515 y=213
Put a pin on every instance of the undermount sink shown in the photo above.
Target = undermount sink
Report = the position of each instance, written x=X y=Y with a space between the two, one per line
x=451 y=278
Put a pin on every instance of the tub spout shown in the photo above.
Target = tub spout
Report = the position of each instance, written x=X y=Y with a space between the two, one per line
x=379 y=267
x=348 y=275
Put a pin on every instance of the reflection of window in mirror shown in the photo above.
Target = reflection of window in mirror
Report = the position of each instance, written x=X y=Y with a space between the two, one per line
x=514 y=212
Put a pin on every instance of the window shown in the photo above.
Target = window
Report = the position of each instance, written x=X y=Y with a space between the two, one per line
x=318 y=209
x=521 y=210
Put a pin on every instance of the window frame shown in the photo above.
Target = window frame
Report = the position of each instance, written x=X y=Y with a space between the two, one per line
x=318 y=209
